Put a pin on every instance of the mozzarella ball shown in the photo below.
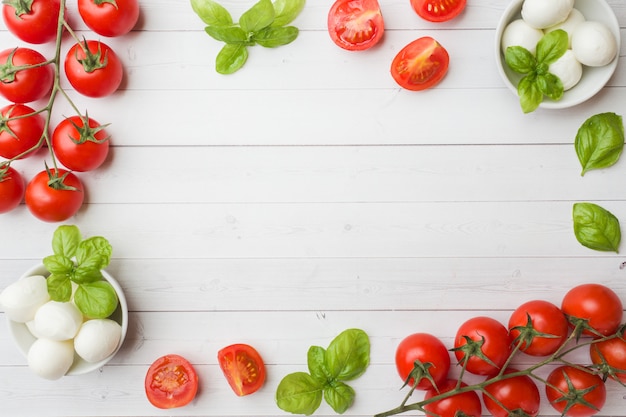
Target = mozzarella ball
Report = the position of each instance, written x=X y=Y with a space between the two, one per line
x=30 y=325
x=520 y=33
x=542 y=14
x=568 y=69
x=569 y=25
x=594 y=44
x=51 y=359
x=21 y=299
x=97 y=339
x=58 y=321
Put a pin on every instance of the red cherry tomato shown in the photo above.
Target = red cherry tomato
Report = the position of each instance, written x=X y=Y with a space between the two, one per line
x=467 y=402
x=33 y=23
x=496 y=344
x=567 y=381
x=79 y=146
x=93 y=69
x=355 y=25
x=427 y=349
x=171 y=381
x=420 y=65
x=11 y=188
x=515 y=393
x=109 y=17
x=243 y=368
x=25 y=85
x=598 y=305
x=548 y=323
x=610 y=356
x=438 y=10
x=54 y=195
x=20 y=134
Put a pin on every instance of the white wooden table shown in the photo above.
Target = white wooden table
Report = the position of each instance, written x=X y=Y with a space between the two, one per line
x=307 y=194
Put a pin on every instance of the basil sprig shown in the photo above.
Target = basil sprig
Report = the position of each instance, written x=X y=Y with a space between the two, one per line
x=538 y=81
x=80 y=262
x=346 y=358
x=600 y=141
x=596 y=227
x=265 y=24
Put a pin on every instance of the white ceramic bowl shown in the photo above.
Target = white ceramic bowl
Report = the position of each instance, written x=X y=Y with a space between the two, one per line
x=593 y=78
x=24 y=339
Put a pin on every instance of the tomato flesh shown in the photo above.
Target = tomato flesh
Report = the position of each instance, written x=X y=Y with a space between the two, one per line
x=243 y=368
x=566 y=381
x=467 y=402
x=420 y=65
x=597 y=304
x=515 y=393
x=355 y=25
x=438 y=10
x=495 y=345
x=427 y=349
x=51 y=204
x=171 y=381
x=79 y=147
x=546 y=319
x=107 y=18
x=21 y=131
x=11 y=188
x=37 y=24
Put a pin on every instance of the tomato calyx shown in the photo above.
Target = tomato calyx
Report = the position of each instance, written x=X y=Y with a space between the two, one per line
x=92 y=61
x=473 y=348
x=87 y=133
x=4 y=171
x=57 y=182
x=420 y=371
x=21 y=6
x=575 y=396
x=581 y=326
x=101 y=2
x=528 y=333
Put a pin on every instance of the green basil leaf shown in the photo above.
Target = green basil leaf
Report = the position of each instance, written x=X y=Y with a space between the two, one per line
x=339 y=396
x=94 y=251
x=231 y=58
x=596 y=227
x=520 y=59
x=65 y=240
x=286 y=11
x=552 y=46
x=348 y=355
x=212 y=13
x=232 y=35
x=550 y=85
x=299 y=393
x=58 y=264
x=259 y=16
x=86 y=273
x=59 y=287
x=96 y=300
x=529 y=94
x=317 y=365
x=599 y=141
x=272 y=37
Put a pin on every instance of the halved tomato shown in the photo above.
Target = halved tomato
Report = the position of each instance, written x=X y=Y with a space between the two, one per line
x=420 y=65
x=171 y=382
x=355 y=25
x=243 y=368
x=438 y=10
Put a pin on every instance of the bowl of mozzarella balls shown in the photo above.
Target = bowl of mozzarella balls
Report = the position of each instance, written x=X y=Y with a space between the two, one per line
x=55 y=337
x=593 y=44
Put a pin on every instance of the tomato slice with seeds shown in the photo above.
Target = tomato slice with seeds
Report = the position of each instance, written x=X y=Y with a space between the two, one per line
x=171 y=382
x=243 y=368
x=355 y=25
x=420 y=65
x=438 y=10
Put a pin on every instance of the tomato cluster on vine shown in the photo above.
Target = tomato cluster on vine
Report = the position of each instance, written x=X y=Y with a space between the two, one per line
x=589 y=318
x=78 y=143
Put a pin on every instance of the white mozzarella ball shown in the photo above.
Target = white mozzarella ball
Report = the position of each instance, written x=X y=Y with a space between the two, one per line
x=568 y=69
x=51 y=359
x=97 y=339
x=57 y=320
x=520 y=33
x=569 y=25
x=30 y=325
x=21 y=299
x=542 y=14
x=594 y=44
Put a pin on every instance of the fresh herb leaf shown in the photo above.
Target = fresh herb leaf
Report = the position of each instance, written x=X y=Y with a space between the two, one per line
x=94 y=251
x=317 y=365
x=550 y=85
x=96 y=300
x=231 y=58
x=286 y=11
x=529 y=94
x=347 y=356
x=520 y=59
x=599 y=141
x=59 y=287
x=59 y=264
x=339 y=396
x=258 y=17
x=272 y=37
x=552 y=46
x=299 y=393
x=596 y=227
x=231 y=35
x=212 y=13
x=65 y=240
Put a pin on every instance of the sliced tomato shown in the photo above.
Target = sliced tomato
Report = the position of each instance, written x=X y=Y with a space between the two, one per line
x=355 y=25
x=243 y=368
x=171 y=382
x=438 y=10
x=420 y=65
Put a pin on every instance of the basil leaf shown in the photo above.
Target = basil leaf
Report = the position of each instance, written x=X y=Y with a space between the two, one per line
x=299 y=393
x=59 y=287
x=231 y=58
x=212 y=13
x=596 y=227
x=520 y=59
x=233 y=35
x=272 y=37
x=96 y=300
x=86 y=273
x=58 y=264
x=95 y=251
x=552 y=46
x=550 y=85
x=286 y=11
x=65 y=240
x=529 y=94
x=339 y=396
x=348 y=355
x=317 y=365
x=599 y=141
x=259 y=16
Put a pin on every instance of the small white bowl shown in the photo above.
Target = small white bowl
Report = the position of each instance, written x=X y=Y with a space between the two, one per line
x=24 y=338
x=593 y=78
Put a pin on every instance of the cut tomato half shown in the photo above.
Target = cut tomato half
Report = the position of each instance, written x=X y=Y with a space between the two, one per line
x=243 y=368
x=171 y=382
x=355 y=25
x=420 y=65
x=438 y=10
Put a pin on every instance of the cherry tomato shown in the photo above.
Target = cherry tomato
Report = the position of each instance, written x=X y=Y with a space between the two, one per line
x=467 y=402
x=20 y=134
x=515 y=393
x=549 y=325
x=355 y=25
x=243 y=368
x=567 y=381
x=438 y=10
x=11 y=188
x=598 y=305
x=171 y=381
x=28 y=84
x=93 y=69
x=33 y=23
x=420 y=65
x=109 y=17
x=610 y=356
x=79 y=146
x=427 y=349
x=496 y=344
x=54 y=195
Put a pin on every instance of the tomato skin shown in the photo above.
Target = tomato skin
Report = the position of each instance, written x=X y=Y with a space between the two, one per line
x=243 y=368
x=99 y=82
x=30 y=84
x=19 y=135
x=355 y=25
x=171 y=382
x=53 y=205
x=438 y=10
x=11 y=189
x=611 y=352
x=496 y=346
x=37 y=26
x=85 y=155
x=515 y=393
x=546 y=318
x=468 y=402
x=109 y=18
x=427 y=349
x=599 y=305
x=580 y=380
x=420 y=65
